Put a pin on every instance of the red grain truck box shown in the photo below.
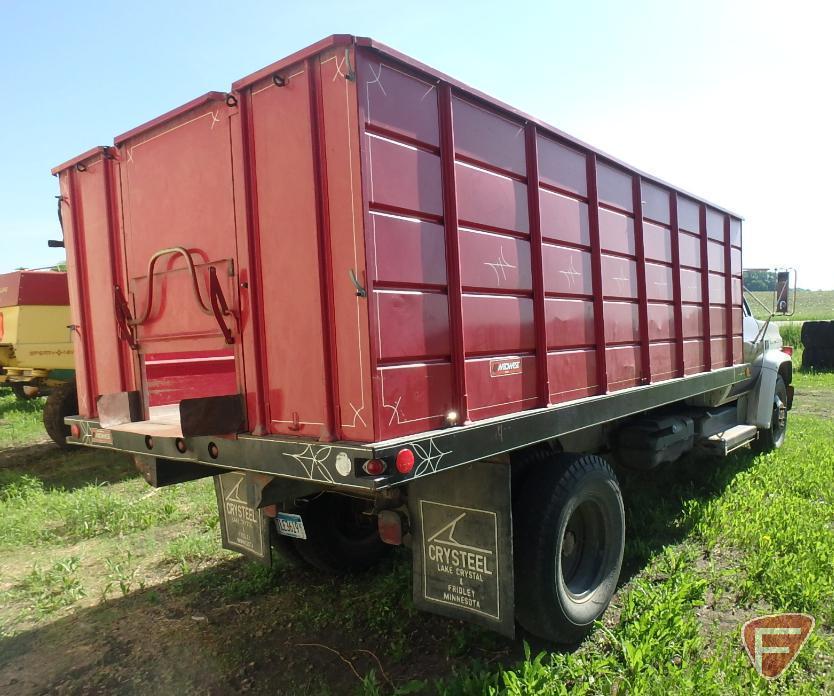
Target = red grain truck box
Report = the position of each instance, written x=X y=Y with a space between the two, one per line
x=352 y=273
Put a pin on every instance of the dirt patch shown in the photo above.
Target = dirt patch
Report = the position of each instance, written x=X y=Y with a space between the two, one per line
x=29 y=454
x=306 y=634
x=814 y=402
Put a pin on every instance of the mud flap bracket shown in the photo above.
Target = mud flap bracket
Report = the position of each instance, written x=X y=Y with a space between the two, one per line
x=463 y=545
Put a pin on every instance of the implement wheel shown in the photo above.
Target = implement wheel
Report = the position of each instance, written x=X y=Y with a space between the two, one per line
x=61 y=402
x=25 y=392
x=569 y=538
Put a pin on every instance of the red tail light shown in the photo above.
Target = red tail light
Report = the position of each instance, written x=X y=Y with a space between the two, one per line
x=374 y=467
x=405 y=461
x=788 y=350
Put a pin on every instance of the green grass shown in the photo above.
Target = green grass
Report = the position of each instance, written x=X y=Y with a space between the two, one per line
x=46 y=590
x=709 y=544
x=757 y=537
x=20 y=420
x=191 y=550
x=33 y=512
x=810 y=379
x=810 y=304
x=791 y=333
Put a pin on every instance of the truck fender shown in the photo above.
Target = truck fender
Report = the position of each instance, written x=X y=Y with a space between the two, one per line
x=760 y=404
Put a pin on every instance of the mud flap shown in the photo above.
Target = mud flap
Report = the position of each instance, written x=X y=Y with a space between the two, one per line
x=243 y=526
x=463 y=545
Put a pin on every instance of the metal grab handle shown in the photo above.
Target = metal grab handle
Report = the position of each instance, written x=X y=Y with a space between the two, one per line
x=195 y=286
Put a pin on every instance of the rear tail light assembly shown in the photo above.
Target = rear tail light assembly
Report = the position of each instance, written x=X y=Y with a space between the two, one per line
x=788 y=350
x=375 y=467
x=403 y=463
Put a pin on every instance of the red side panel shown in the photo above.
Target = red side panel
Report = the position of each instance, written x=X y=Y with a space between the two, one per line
x=93 y=242
x=407 y=286
x=33 y=288
x=635 y=282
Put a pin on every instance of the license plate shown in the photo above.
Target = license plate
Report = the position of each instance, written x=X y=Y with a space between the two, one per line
x=290 y=525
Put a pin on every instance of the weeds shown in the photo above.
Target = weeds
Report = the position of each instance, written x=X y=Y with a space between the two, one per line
x=46 y=590
x=191 y=550
x=122 y=572
x=33 y=514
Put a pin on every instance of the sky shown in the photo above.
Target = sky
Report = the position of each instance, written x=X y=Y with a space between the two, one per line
x=732 y=100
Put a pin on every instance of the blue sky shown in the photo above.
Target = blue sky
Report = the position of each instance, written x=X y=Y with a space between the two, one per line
x=730 y=100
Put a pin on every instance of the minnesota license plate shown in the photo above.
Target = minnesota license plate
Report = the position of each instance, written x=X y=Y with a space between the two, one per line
x=290 y=525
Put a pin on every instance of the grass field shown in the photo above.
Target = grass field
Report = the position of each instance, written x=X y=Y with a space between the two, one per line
x=20 y=421
x=107 y=585
x=810 y=304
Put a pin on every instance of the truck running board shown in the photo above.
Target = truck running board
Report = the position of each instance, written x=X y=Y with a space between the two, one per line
x=728 y=441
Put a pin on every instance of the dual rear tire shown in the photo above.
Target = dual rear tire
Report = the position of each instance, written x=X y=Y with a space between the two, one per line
x=342 y=535
x=569 y=536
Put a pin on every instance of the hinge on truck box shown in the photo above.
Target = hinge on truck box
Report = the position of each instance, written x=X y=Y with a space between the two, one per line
x=360 y=291
x=218 y=304
x=123 y=318
x=350 y=75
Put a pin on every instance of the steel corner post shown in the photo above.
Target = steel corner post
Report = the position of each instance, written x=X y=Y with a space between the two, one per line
x=331 y=431
x=258 y=425
x=83 y=307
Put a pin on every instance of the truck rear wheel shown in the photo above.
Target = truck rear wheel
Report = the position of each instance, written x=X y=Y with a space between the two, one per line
x=569 y=538
x=341 y=535
x=61 y=402
x=773 y=438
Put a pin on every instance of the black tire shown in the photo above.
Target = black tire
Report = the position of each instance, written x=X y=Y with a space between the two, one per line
x=773 y=438
x=809 y=333
x=61 y=402
x=569 y=538
x=25 y=392
x=341 y=537
x=809 y=358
